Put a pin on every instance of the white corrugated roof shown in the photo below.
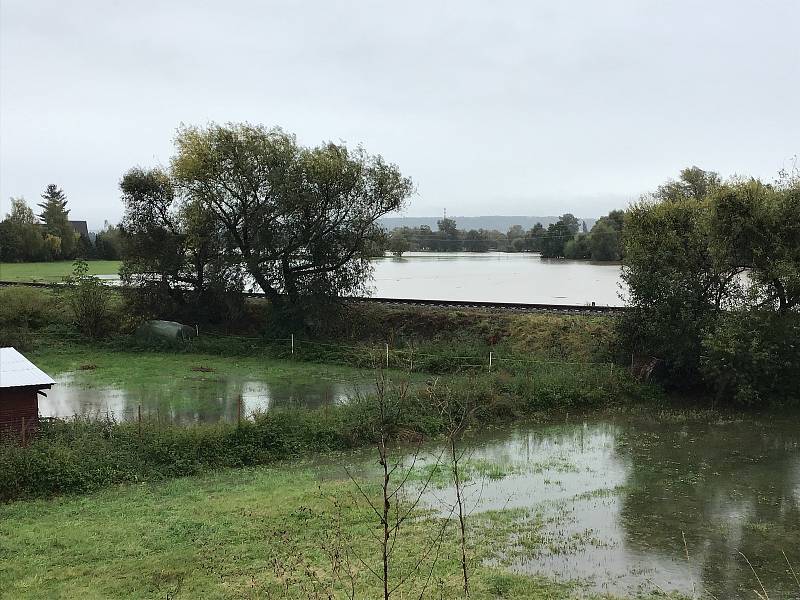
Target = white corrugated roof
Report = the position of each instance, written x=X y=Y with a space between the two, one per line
x=17 y=371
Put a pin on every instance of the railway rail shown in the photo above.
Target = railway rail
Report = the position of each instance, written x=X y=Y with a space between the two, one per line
x=501 y=306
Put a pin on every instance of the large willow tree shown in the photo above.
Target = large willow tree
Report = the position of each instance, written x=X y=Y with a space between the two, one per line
x=298 y=221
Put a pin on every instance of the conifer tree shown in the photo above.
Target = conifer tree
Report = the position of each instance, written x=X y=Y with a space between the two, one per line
x=55 y=218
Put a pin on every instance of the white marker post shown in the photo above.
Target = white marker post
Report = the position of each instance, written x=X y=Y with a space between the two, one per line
x=490 y=361
x=292 y=344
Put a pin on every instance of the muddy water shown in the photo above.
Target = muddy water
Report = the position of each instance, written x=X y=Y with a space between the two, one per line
x=202 y=399
x=618 y=496
x=496 y=277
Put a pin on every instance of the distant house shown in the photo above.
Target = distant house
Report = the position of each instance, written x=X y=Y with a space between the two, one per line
x=80 y=227
x=21 y=382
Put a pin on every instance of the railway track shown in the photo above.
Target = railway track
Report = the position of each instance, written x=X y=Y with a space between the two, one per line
x=506 y=306
x=474 y=304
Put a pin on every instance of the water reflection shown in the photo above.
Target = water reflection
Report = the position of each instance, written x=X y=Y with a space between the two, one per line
x=202 y=399
x=617 y=496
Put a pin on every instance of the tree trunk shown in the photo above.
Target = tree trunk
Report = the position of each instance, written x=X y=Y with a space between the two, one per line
x=270 y=292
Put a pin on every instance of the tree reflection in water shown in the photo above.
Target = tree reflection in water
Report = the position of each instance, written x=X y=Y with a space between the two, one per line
x=618 y=493
x=729 y=485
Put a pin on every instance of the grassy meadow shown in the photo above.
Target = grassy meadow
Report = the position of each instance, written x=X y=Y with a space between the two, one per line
x=51 y=272
x=99 y=366
x=252 y=533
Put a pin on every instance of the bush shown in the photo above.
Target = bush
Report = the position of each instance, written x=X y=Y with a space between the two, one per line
x=27 y=306
x=753 y=358
x=89 y=299
x=23 y=310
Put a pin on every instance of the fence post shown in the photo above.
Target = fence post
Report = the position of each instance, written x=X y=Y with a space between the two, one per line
x=197 y=329
x=490 y=361
x=387 y=355
x=292 y=344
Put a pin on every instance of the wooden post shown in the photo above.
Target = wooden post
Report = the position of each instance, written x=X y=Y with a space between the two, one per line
x=140 y=420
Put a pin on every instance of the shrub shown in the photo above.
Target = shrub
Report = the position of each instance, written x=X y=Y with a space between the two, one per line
x=753 y=358
x=27 y=306
x=23 y=310
x=89 y=299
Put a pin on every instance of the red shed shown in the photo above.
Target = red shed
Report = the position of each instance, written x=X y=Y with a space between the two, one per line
x=21 y=383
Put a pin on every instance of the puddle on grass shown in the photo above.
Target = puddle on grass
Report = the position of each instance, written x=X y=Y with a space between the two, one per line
x=201 y=399
x=617 y=495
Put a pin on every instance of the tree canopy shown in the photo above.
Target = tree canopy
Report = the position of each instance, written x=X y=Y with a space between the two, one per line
x=20 y=235
x=708 y=265
x=297 y=222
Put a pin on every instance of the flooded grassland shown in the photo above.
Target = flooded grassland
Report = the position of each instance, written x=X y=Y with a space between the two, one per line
x=637 y=502
x=629 y=501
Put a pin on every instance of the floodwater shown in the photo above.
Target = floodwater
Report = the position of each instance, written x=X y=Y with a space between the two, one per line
x=205 y=398
x=496 y=277
x=621 y=498
x=618 y=495
x=491 y=277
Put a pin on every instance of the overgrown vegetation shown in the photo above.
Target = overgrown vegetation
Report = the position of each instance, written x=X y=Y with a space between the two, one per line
x=90 y=302
x=713 y=275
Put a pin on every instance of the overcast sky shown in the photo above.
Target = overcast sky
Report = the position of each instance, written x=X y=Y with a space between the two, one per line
x=531 y=108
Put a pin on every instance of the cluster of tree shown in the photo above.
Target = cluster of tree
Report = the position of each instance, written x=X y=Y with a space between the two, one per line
x=713 y=276
x=567 y=238
x=447 y=238
x=24 y=238
x=243 y=206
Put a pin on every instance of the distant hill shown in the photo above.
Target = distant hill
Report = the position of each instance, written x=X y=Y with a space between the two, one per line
x=499 y=222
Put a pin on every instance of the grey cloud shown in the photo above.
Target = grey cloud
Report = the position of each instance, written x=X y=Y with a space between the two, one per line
x=512 y=107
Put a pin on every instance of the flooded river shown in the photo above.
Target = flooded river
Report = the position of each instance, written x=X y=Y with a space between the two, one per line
x=496 y=277
x=490 y=277
x=617 y=496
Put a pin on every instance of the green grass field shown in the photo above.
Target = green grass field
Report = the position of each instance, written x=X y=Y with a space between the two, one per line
x=53 y=271
x=134 y=368
x=255 y=533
